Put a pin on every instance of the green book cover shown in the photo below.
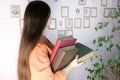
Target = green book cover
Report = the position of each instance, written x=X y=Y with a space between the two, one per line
x=84 y=52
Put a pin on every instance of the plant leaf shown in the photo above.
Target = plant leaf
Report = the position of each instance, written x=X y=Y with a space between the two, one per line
x=110 y=62
x=96 y=29
x=94 y=41
x=111 y=36
x=91 y=59
x=118 y=28
x=118 y=53
x=114 y=29
x=111 y=45
x=106 y=23
x=118 y=21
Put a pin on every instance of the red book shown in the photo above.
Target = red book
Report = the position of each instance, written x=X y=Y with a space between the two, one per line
x=62 y=42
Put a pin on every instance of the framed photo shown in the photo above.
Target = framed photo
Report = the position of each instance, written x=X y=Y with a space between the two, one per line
x=53 y=24
x=86 y=11
x=69 y=23
x=103 y=2
x=21 y=22
x=86 y=23
x=113 y=10
x=77 y=22
x=64 y=11
x=107 y=12
x=60 y=23
x=15 y=11
x=61 y=33
x=77 y=11
x=69 y=32
x=118 y=3
x=94 y=12
x=82 y=2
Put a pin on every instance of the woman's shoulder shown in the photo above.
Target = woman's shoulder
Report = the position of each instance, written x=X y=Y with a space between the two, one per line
x=45 y=40
x=39 y=51
x=40 y=48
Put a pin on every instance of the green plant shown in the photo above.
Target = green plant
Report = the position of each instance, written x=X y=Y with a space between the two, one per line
x=99 y=68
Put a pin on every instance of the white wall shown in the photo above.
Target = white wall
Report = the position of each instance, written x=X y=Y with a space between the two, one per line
x=10 y=32
x=9 y=39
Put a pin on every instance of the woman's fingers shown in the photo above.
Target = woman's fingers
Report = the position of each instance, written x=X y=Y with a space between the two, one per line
x=74 y=63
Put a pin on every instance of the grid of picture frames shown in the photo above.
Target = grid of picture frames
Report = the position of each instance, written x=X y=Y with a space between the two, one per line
x=109 y=12
x=90 y=12
x=15 y=13
x=70 y=23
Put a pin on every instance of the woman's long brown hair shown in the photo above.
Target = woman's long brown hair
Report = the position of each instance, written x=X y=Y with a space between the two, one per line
x=36 y=17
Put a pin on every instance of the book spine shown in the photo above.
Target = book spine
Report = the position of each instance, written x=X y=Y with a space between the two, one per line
x=55 y=49
x=58 y=58
x=67 y=43
x=85 y=57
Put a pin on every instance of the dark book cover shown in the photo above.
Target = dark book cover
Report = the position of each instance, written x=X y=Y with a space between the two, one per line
x=63 y=57
x=84 y=52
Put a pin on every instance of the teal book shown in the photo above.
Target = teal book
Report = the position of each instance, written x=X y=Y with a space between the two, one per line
x=84 y=52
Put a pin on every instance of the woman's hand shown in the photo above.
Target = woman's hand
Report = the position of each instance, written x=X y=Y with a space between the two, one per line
x=73 y=64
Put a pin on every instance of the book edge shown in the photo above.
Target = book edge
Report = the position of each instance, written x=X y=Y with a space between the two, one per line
x=83 y=58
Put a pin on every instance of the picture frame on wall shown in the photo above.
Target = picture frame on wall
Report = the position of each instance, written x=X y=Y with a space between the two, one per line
x=77 y=23
x=53 y=24
x=94 y=12
x=86 y=23
x=61 y=33
x=118 y=4
x=69 y=23
x=103 y=2
x=112 y=14
x=15 y=11
x=82 y=2
x=21 y=23
x=86 y=11
x=77 y=11
x=107 y=12
x=69 y=32
x=64 y=11
x=60 y=23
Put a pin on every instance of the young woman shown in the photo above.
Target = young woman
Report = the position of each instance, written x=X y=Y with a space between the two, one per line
x=35 y=48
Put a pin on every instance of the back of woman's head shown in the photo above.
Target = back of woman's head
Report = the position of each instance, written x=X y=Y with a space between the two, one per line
x=36 y=17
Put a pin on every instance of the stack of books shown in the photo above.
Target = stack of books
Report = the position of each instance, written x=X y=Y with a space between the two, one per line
x=65 y=51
